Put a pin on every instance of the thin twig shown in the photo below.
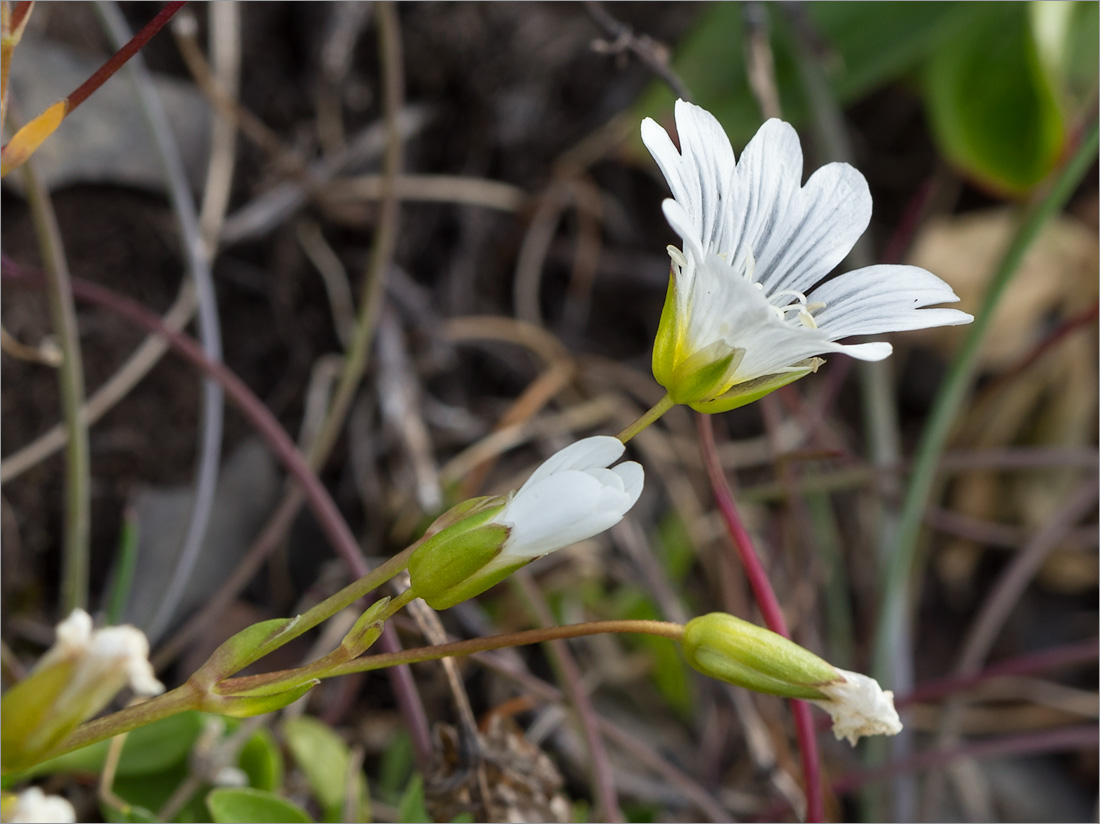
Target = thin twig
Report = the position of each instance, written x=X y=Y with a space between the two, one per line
x=568 y=673
x=653 y=55
x=74 y=564
x=1000 y=602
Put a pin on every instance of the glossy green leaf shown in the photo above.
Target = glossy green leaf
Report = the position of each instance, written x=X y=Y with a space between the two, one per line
x=991 y=105
x=228 y=805
x=324 y=757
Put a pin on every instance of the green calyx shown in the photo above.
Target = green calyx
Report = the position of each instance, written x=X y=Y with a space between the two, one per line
x=742 y=394
x=456 y=562
x=705 y=379
x=729 y=649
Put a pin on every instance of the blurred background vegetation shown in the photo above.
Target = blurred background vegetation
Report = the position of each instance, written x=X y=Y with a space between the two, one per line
x=517 y=313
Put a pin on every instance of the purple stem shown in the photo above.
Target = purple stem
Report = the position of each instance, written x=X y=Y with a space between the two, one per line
x=769 y=608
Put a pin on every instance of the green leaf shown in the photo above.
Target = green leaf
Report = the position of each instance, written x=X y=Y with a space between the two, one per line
x=396 y=767
x=324 y=757
x=867 y=45
x=262 y=761
x=412 y=808
x=123 y=579
x=991 y=105
x=228 y=805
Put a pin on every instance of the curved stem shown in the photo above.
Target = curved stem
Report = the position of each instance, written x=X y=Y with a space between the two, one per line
x=332 y=522
x=384 y=660
x=650 y=416
x=769 y=608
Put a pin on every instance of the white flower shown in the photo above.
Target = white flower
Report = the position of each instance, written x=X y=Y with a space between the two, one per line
x=744 y=314
x=106 y=659
x=859 y=706
x=33 y=806
x=573 y=495
x=76 y=678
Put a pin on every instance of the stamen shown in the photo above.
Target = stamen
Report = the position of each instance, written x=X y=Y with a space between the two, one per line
x=803 y=310
x=678 y=258
x=750 y=266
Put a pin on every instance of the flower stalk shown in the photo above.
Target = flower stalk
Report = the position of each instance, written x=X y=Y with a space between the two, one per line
x=650 y=416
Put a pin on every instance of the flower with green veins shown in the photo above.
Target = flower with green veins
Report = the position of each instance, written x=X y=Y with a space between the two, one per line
x=746 y=312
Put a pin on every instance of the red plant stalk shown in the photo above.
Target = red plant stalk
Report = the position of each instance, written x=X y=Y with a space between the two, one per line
x=769 y=608
x=119 y=58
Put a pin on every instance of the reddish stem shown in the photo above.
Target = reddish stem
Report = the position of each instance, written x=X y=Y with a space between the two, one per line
x=119 y=58
x=769 y=608
x=19 y=11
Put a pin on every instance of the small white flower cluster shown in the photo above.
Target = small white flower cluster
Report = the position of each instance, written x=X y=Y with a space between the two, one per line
x=107 y=659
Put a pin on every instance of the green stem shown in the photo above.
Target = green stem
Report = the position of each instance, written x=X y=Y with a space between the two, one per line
x=188 y=697
x=456 y=648
x=74 y=565
x=658 y=409
x=951 y=398
x=181 y=699
x=353 y=592
x=320 y=667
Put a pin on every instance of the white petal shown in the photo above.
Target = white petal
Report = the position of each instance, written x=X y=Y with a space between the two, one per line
x=683 y=224
x=826 y=219
x=597 y=451
x=884 y=298
x=700 y=174
x=765 y=183
x=561 y=510
x=859 y=707
x=633 y=478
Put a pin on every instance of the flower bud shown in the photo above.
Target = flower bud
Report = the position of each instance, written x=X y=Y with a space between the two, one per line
x=735 y=651
x=573 y=495
x=73 y=681
x=366 y=629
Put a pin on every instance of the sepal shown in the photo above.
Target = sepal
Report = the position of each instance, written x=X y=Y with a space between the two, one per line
x=729 y=649
x=244 y=648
